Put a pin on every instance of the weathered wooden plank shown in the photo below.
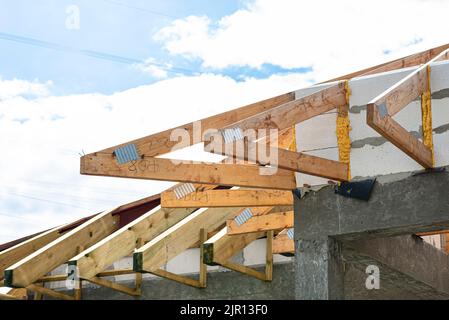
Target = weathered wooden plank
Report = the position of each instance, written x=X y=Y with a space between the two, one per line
x=21 y=250
x=206 y=173
x=57 y=252
x=98 y=257
x=266 y=222
x=228 y=198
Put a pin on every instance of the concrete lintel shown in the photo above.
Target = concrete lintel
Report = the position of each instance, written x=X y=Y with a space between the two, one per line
x=416 y=203
x=406 y=262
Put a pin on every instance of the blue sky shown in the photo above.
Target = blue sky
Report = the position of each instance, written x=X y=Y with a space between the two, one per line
x=122 y=28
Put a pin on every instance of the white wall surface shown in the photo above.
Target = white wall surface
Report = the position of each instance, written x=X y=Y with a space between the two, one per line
x=371 y=154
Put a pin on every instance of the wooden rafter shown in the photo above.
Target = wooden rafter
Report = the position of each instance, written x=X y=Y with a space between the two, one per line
x=98 y=257
x=57 y=252
x=266 y=222
x=179 y=238
x=286 y=159
x=205 y=173
x=381 y=109
x=159 y=143
x=299 y=110
x=23 y=249
x=228 y=198
x=202 y=278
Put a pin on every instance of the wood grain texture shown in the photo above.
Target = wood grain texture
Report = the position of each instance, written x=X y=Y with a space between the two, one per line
x=401 y=138
x=228 y=198
x=159 y=143
x=266 y=222
x=205 y=173
x=59 y=251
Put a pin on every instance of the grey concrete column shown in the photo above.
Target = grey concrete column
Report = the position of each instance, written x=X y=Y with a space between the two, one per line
x=399 y=205
x=319 y=269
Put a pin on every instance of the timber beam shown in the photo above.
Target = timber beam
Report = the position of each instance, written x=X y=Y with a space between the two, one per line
x=222 y=247
x=161 y=142
x=283 y=243
x=26 y=271
x=299 y=110
x=206 y=173
x=227 y=198
x=257 y=152
x=179 y=238
x=266 y=222
x=98 y=257
x=23 y=249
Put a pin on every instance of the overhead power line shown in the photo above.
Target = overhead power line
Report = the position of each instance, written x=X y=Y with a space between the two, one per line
x=90 y=53
x=118 y=3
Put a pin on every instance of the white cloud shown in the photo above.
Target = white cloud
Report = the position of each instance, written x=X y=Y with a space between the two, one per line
x=334 y=37
x=150 y=67
x=15 y=87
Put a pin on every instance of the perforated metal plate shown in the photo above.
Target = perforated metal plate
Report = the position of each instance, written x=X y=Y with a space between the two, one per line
x=126 y=154
x=290 y=233
x=232 y=134
x=183 y=190
x=243 y=217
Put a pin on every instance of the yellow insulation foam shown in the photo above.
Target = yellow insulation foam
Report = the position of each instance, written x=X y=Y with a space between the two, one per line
x=426 y=111
x=342 y=131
